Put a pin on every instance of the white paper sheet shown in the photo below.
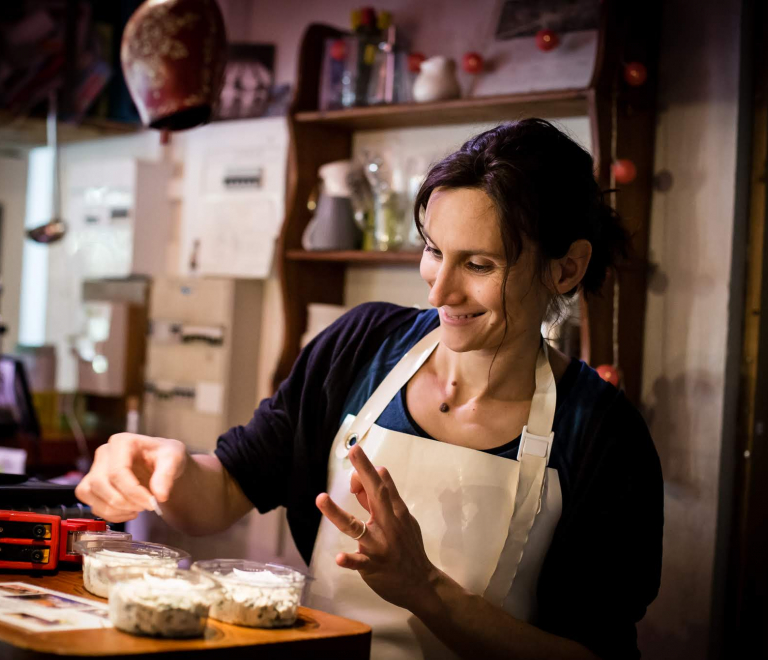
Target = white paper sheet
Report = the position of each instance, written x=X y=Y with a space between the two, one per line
x=38 y=609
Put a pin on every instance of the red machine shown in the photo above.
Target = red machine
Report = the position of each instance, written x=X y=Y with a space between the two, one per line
x=36 y=541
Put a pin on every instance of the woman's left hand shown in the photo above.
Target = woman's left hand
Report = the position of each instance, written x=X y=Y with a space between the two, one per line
x=390 y=556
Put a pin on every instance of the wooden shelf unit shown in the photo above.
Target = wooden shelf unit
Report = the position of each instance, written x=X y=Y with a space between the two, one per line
x=356 y=257
x=628 y=32
x=565 y=103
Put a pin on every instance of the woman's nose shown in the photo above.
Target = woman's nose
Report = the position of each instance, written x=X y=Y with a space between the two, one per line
x=445 y=289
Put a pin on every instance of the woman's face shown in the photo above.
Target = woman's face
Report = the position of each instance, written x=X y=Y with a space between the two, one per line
x=464 y=265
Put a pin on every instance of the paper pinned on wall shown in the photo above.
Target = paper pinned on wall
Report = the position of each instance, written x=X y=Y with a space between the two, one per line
x=13 y=461
x=239 y=237
x=209 y=397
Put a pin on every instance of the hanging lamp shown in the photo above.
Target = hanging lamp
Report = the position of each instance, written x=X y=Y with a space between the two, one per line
x=173 y=54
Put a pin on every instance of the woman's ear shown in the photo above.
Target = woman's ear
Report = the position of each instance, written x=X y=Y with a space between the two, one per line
x=568 y=271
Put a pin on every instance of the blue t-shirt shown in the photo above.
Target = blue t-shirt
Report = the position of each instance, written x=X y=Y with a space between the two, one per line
x=578 y=385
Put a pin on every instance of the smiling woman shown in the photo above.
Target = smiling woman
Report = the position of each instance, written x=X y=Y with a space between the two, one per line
x=482 y=494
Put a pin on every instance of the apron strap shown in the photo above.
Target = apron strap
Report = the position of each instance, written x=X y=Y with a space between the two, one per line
x=533 y=456
x=408 y=365
x=530 y=489
x=545 y=397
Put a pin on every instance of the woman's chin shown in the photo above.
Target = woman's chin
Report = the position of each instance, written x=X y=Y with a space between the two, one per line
x=462 y=340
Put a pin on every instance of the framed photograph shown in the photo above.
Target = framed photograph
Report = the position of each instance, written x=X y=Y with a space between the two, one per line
x=248 y=81
x=524 y=18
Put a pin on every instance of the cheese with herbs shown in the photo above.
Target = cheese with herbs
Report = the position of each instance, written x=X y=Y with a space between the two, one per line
x=159 y=607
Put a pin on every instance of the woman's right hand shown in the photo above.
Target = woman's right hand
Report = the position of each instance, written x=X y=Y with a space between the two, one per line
x=128 y=471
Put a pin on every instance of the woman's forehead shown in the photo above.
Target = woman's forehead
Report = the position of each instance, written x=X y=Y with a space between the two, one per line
x=468 y=211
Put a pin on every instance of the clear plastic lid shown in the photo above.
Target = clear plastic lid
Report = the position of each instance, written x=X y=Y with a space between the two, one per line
x=245 y=572
x=93 y=535
x=111 y=551
x=163 y=579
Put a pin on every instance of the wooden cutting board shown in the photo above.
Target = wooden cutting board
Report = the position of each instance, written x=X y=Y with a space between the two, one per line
x=316 y=635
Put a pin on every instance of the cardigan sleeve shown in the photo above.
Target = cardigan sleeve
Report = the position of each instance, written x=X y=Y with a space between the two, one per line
x=279 y=458
x=604 y=565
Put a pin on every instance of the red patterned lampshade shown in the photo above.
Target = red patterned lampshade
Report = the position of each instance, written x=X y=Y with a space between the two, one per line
x=173 y=55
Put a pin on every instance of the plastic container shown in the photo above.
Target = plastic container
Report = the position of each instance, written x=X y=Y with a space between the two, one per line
x=107 y=535
x=160 y=602
x=254 y=594
x=100 y=555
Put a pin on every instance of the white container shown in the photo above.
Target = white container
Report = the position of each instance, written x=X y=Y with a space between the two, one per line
x=160 y=602
x=253 y=594
x=101 y=555
x=436 y=81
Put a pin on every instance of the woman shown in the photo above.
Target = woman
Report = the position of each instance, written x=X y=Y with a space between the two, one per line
x=481 y=494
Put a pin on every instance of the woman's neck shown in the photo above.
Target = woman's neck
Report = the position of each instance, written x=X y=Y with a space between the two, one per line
x=506 y=375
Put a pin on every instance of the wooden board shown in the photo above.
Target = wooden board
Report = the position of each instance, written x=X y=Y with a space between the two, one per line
x=357 y=256
x=316 y=635
x=556 y=104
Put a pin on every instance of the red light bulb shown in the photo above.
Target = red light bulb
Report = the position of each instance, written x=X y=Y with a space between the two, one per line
x=414 y=61
x=624 y=171
x=635 y=74
x=547 y=40
x=472 y=63
x=609 y=374
x=339 y=50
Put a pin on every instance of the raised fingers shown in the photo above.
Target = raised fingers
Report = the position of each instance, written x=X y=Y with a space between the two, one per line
x=355 y=561
x=346 y=522
x=356 y=488
x=378 y=484
x=398 y=505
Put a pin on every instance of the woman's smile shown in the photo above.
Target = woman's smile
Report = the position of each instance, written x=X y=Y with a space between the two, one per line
x=452 y=318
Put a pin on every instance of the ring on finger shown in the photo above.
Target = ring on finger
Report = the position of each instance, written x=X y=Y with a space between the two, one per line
x=360 y=535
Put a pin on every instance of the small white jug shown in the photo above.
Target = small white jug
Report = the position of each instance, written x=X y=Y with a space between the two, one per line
x=436 y=80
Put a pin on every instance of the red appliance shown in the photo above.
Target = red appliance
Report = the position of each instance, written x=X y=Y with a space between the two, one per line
x=38 y=542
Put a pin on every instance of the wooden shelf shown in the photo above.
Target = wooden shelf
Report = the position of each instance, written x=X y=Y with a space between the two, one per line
x=31 y=132
x=554 y=104
x=356 y=257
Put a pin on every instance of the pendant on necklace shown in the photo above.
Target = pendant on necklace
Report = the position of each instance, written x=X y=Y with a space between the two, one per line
x=444 y=407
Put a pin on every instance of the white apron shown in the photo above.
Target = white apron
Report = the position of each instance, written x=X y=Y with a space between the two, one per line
x=486 y=521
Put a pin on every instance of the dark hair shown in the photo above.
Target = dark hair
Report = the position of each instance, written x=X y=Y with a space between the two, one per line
x=543 y=187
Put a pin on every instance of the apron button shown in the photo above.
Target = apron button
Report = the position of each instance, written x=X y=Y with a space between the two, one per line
x=351 y=441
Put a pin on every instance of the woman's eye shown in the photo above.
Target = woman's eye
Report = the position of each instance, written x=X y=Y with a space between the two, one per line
x=478 y=268
x=433 y=251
